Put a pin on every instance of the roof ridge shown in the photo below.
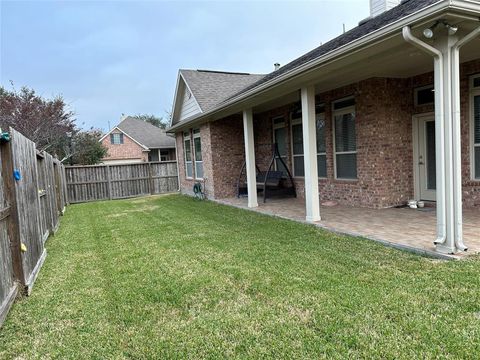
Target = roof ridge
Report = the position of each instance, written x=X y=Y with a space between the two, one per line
x=225 y=72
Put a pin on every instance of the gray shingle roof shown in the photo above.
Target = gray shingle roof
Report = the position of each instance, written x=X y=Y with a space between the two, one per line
x=407 y=7
x=212 y=87
x=146 y=134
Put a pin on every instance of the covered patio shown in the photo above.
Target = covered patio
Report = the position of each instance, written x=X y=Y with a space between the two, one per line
x=404 y=228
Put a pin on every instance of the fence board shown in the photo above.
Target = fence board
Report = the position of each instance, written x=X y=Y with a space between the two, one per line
x=30 y=204
x=103 y=182
x=7 y=284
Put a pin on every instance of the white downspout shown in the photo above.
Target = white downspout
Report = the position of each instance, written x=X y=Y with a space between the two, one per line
x=439 y=129
x=457 y=149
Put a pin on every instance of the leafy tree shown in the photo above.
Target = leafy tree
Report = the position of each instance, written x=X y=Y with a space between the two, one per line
x=152 y=119
x=44 y=121
x=86 y=148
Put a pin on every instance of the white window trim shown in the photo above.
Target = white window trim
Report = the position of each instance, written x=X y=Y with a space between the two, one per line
x=187 y=137
x=342 y=111
x=318 y=117
x=196 y=135
x=473 y=93
x=293 y=122
x=275 y=127
x=415 y=95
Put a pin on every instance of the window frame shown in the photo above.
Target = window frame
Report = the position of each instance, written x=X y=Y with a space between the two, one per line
x=420 y=88
x=298 y=121
x=281 y=125
x=160 y=155
x=317 y=117
x=338 y=112
x=187 y=136
x=120 y=138
x=294 y=122
x=196 y=135
x=474 y=92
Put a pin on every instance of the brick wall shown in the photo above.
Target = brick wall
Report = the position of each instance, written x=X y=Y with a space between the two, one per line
x=129 y=150
x=384 y=110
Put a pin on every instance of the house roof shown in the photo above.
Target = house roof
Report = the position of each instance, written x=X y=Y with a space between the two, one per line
x=366 y=27
x=212 y=87
x=146 y=134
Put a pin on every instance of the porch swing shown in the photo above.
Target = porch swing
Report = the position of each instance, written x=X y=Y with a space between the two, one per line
x=270 y=182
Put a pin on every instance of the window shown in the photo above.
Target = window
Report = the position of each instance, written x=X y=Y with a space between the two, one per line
x=424 y=95
x=297 y=148
x=297 y=145
x=280 y=138
x=164 y=155
x=475 y=85
x=187 y=146
x=345 y=142
x=197 y=145
x=321 y=146
x=116 y=138
x=153 y=155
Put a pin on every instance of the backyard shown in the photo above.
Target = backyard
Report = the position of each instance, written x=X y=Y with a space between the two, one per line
x=172 y=277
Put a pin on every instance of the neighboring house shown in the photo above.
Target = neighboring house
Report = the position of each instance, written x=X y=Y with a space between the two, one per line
x=356 y=120
x=134 y=141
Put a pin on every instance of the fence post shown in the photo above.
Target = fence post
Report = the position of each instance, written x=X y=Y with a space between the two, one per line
x=109 y=182
x=150 y=179
x=13 y=222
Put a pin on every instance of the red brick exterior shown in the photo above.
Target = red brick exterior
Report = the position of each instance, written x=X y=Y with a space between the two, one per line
x=129 y=150
x=384 y=111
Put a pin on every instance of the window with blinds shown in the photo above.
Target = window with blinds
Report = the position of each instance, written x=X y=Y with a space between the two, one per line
x=116 y=138
x=187 y=149
x=345 y=140
x=297 y=145
x=197 y=146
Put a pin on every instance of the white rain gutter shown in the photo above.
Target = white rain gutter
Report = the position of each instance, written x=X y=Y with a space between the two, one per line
x=439 y=129
x=457 y=148
x=453 y=132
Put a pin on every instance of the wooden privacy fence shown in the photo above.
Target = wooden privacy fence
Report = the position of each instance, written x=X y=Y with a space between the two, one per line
x=32 y=196
x=107 y=182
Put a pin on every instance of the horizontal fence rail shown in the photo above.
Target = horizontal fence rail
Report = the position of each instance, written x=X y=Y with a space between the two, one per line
x=120 y=181
x=32 y=198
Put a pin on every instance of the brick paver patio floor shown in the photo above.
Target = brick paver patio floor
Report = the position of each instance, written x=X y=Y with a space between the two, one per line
x=399 y=227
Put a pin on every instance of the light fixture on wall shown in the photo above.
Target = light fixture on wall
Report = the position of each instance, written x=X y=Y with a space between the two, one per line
x=429 y=32
x=452 y=30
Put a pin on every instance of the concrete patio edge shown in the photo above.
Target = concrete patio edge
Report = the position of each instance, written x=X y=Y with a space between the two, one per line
x=407 y=248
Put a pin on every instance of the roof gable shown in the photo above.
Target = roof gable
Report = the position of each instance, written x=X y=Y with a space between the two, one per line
x=201 y=90
x=144 y=133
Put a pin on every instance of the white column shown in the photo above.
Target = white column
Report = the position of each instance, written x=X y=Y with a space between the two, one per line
x=312 y=201
x=250 y=158
x=444 y=44
x=448 y=135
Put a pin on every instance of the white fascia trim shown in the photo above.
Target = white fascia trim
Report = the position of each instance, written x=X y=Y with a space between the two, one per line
x=389 y=30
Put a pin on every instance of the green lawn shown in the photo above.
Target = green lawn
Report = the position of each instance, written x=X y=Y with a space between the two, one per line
x=171 y=277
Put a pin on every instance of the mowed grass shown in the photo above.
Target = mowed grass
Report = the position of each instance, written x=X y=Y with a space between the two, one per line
x=171 y=277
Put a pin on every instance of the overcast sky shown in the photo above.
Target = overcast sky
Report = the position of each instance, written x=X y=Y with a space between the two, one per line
x=112 y=57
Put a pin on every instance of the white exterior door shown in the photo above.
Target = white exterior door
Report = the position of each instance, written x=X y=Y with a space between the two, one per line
x=427 y=176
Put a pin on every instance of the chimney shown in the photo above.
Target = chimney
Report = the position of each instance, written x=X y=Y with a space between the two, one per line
x=378 y=7
x=276 y=66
